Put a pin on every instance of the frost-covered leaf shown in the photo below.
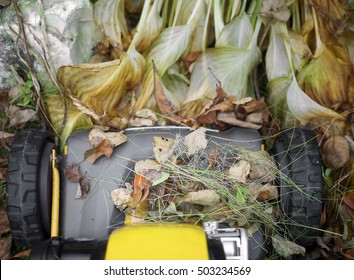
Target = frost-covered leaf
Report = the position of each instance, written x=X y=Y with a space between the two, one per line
x=285 y=247
x=96 y=136
x=196 y=141
x=239 y=171
x=202 y=197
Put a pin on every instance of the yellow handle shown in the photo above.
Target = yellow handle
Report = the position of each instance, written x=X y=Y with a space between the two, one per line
x=54 y=230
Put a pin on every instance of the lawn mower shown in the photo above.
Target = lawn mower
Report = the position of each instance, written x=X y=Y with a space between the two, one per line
x=44 y=213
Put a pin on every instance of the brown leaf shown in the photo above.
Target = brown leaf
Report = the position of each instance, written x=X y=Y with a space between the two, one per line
x=196 y=141
x=72 y=173
x=5 y=247
x=236 y=122
x=23 y=254
x=349 y=254
x=239 y=171
x=336 y=152
x=18 y=116
x=4 y=223
x=191 y=58
x=4 y=99
x=162 y=102
x=164 y=149
x=6 y=138
x=252 y=106
x=3 y=161
x=83 y=189
x=323 y=216
x=143 y=117
x=104 y=148
x=3 y=172
x=207 y=118
x=96 y=136
x=349 y=201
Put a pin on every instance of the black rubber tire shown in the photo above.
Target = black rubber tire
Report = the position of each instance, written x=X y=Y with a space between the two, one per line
x=298 y=157
x=24 y=186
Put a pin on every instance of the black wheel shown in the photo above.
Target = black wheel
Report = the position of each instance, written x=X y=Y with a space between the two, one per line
x=301 y=186
x=29 y=186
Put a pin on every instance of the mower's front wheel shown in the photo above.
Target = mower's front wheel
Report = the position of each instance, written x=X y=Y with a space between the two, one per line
x=29 y=186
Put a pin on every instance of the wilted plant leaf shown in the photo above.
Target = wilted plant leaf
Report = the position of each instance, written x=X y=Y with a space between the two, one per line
x=163 y=148
x=196 y=141
x=171 y=210
x=336 y=152
x=96 y=136
x=239 y=171
x=202 y=197
x=72 y=173
x=109 y=15
x=162 y=102
x=104 y=148
x=285 y=247
x=263 y=192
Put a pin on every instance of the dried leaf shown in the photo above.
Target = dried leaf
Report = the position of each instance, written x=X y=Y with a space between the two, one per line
x=72 y=173
x=83 y=189
x=141 y=190
x=202 y=197
x=5 y=247
x=240 y=170
x=18 y=116
x=256 y=117
x=4 y=223
x=349 y=201
x=236 y=122
x=162 y=102
x=263 y=192
x=23 y=254
x=171 y=210
x=349 y=254
x=285 y=247
x=6 y=138
x=121 y=197
x=149 y=169
x=336 y=152
x=96 y=136
x=196 y=141
x=191 y=58
x=104 y=148
x=143 y=117
x=3 y=161
x=3 y=172
x=252 y=106
x=163 y=148
x=261 y=173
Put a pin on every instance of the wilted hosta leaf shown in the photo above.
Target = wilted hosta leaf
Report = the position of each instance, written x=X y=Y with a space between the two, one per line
x=202 y=197
x=102 y=86
x=239 y=171
x=168 y=47
x=285 y=247
x=163 y=148
x=336 y=152
x=75 y=120
x=104 y=148
x=306 y=109
x=231 y=66
x=96 y=136
x=196 y=141
x=72 y=173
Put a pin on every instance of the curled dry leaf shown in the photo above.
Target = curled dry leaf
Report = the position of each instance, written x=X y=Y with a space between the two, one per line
x=6 y=138
x=4 y=222
x=3 y=172
x=285 y=247
x=18 y=116
x=143 y=117
x=96 y=136
x=149 y=169
x=202 y=197
x=104 y=148
x=5 y=247
x=240 y=170
x=141 y=190
x=263 y=192
x=261 y=173
x=83 y=189
x=336 y=152
x=235 y=122
x=196 y=141
x=164 y=149
x=121 y=197
x=72 y=173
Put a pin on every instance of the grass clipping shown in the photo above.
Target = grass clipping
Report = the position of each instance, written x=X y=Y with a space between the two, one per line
x=193 y=179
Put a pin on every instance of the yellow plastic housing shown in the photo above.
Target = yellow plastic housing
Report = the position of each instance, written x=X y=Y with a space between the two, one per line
x=158 y=242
